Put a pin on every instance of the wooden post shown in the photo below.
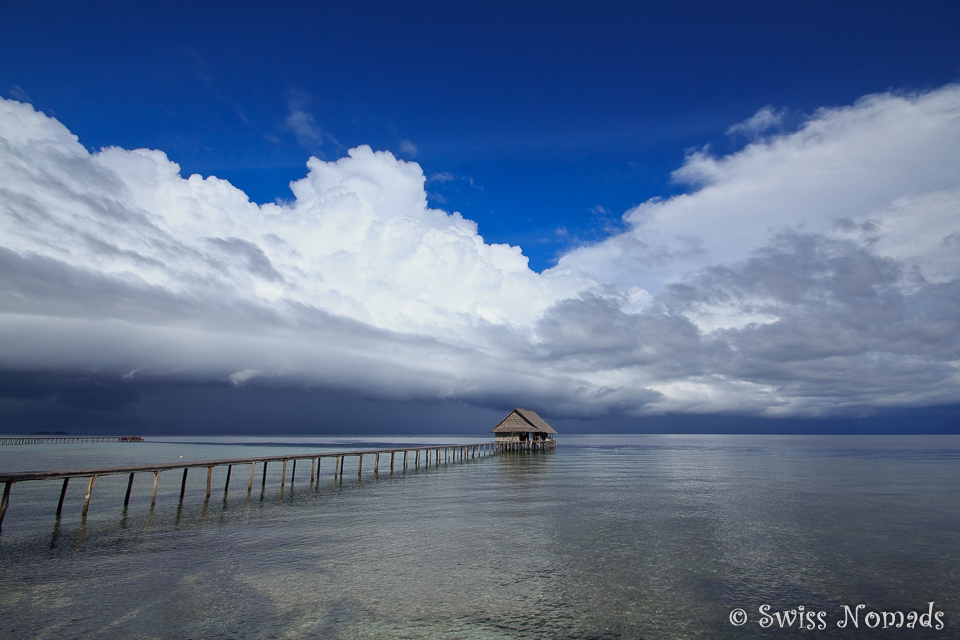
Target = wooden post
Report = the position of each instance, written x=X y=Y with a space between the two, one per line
x=209 y=477
x=226 y=485
x=86 y=499
x=360 y=466
x=405 y=461
x=283 y=474
x=392 y=453
x=126 y=498
x=340 y=459
x=312 y=466
x=264 y=475
x=376 y=465
x=183 y=485
x=5 y=500
x=293 y=472
x=63 y=492
x=416 y=462
x=250 y=485
x=156 y=479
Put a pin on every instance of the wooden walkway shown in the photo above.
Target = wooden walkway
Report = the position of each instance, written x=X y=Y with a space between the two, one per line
x=68 y=439
x=416 y=457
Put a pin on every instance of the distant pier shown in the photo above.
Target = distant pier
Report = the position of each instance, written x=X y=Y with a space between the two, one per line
x=68 y=439
x=415 y=457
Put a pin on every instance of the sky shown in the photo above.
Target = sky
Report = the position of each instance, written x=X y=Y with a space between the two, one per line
x=382 y=217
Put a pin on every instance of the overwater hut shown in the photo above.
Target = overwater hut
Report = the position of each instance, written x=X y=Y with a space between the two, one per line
x=522 y=425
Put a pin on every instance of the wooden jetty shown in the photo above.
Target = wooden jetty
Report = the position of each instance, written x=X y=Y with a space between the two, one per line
x=68 y=439
x=415 y=457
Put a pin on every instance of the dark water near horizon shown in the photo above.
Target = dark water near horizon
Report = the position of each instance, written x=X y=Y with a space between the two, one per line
x=644 y=536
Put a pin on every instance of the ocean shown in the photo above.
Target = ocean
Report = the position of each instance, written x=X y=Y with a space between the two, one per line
x=633 y=536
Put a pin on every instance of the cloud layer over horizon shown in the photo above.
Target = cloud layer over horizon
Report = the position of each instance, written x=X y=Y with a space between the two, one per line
x=812 y=273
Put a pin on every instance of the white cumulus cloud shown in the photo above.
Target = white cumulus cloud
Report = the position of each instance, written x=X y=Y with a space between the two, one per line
x=811 y=273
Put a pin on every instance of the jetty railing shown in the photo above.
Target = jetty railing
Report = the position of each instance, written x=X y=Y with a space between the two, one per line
x=416 y=457
x=68 y=439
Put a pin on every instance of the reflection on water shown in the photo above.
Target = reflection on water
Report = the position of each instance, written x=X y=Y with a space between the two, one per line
x=619 y=537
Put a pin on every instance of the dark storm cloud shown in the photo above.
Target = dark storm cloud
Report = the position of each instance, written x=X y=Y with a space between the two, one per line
x=813 y=273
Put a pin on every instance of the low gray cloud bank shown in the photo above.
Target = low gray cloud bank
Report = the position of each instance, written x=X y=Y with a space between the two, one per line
x=812 y=273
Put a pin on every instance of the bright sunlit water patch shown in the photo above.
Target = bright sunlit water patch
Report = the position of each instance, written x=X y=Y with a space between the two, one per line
x=605 y=537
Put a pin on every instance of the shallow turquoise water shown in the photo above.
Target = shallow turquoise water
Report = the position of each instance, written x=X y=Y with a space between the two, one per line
x=605 y=537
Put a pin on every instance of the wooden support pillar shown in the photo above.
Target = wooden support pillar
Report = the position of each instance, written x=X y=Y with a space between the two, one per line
x=5 y=500
x=392 y=454
x=126 y=498
x=283 y=474
x=63 y=492
x=263 y=486
x=376 y=465
x=209 y=478
x=250 y=484
x=405 y=461
x=183 y=484
x=340 y=459
x=86 y=499
x=293 y=472
x=360 y=465
x=312 y=466
x=226 y=485
x=416 y=460
x=156 y=479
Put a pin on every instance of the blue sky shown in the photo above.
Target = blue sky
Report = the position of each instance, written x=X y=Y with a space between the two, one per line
x=542 y=116
x=583 y=134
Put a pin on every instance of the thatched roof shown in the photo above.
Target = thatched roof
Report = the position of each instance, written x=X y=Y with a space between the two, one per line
x=523 y=421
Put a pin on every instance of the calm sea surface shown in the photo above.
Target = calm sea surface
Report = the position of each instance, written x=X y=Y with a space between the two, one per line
x=605 y=537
